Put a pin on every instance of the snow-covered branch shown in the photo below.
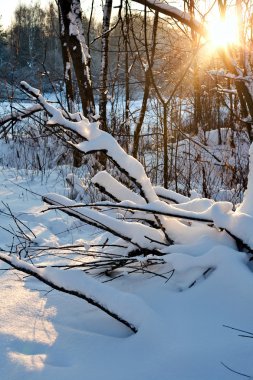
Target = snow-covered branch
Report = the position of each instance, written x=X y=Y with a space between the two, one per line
x=116 y=190
x=119 y=192
x=171 y=11
x=97 y=140
x=135 y=233
x=18 y=115
x=21 y=114
x=184 y=211
x=116 y=304
x=170 y=195
x=219 y=214
x=167 y=216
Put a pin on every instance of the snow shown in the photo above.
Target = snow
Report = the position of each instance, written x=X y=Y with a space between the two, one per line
x=247 y=204
x=179 y=306
x=98 y=140
x=115 y=188
x=127 y=307
x=78 y=189
x=67 y=70
x=136 y=233
x=19 y=114
x=33 y=90
x=169 y=194
x=181 y=334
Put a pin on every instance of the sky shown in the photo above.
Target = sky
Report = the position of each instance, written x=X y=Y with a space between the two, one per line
x=8 y=7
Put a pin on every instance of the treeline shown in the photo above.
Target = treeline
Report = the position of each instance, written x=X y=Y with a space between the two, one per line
x=30 y=49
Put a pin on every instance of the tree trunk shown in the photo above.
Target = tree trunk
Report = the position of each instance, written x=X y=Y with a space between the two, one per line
x=104 y=64
x=126 y=130
x=165 y=147
x=67 y=73
x=146 y=91
x=196 y=83
x=72 y=28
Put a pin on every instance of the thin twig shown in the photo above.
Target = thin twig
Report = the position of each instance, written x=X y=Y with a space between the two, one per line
x=232 y=370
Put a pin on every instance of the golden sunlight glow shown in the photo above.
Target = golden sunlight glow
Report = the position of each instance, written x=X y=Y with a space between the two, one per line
x=223 y=32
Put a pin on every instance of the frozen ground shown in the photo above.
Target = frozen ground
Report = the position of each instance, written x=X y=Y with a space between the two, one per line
x=48 y=335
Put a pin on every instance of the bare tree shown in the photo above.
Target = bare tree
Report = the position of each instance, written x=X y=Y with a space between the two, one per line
x=104 y=63
x=73 y=36
x=147 y=79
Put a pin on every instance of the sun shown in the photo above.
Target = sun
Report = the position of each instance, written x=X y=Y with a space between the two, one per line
x=223 y=32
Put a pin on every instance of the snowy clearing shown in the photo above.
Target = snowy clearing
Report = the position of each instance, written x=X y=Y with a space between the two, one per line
x=50 y=335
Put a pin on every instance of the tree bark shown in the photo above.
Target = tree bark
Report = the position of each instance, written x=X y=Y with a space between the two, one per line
x=67 y=72
x=146 y=91
x=72 y=28
x=104 y=64
x=165 y=147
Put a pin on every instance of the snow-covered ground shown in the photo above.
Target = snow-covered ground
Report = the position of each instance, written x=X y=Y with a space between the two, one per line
x=186 y=315
x=49 y=335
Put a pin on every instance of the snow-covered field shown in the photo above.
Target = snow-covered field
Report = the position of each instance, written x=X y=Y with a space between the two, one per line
x=49 y=335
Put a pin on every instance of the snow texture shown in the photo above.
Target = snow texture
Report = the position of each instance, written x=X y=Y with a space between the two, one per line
x=247 y=204
x=49 y=335
x=179 y=308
